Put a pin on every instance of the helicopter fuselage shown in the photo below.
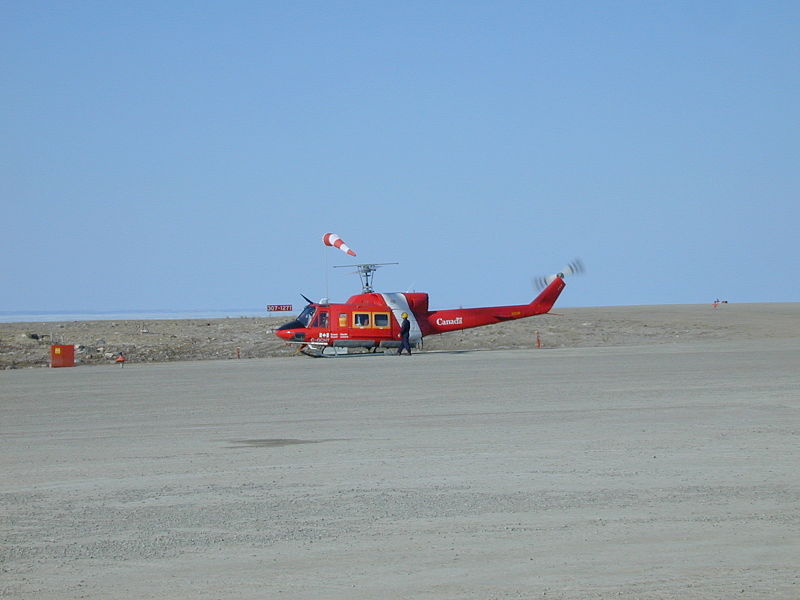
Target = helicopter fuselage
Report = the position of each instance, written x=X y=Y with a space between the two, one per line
x=372 y=320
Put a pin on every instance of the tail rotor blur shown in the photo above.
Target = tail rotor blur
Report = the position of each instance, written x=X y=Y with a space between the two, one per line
x=573 y=268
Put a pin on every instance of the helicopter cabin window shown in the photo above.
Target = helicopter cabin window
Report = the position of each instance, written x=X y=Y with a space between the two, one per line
x=360 y=319
x=381 y=320
x=342 y=319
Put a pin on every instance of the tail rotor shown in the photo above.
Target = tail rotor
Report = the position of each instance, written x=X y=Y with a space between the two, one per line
x=573 y=268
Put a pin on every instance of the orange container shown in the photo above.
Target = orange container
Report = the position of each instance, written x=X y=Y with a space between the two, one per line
x=62 y=355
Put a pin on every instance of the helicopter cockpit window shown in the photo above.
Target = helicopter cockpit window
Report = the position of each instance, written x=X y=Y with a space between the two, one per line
x=305 y=316
x=321 y=320
x=361 y=319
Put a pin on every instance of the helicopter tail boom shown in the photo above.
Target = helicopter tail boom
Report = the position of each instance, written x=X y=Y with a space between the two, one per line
x=545 y=301
x=441 y=321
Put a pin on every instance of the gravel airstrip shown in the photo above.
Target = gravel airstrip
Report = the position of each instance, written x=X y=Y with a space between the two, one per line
x=641 y=453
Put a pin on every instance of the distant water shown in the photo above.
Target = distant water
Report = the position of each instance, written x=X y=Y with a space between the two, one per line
x=20 y=316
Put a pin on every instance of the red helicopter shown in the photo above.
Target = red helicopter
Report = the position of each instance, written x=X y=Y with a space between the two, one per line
x=372 y=320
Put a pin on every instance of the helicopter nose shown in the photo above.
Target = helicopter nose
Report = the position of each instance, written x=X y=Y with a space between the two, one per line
x=291 y=335
x=285 y=334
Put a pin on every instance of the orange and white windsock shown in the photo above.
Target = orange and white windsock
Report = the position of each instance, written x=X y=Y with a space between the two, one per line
x=331 y=239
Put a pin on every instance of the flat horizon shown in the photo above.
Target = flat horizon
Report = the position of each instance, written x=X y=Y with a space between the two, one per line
x=55 y=316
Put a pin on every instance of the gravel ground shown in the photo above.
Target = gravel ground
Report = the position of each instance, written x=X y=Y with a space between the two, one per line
x=648 y=471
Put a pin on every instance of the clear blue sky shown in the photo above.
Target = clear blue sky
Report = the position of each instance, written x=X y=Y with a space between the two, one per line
x=191 y=154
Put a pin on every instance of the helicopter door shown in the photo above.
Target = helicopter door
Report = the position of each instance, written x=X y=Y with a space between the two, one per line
x=322 y=322
x=382 y=323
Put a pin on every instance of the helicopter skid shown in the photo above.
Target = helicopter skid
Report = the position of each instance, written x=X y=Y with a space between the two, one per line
x=313 y=350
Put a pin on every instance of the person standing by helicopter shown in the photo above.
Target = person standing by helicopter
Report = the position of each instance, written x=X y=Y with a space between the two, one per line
x=405 y=331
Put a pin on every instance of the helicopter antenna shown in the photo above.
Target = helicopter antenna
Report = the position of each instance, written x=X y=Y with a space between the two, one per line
x=366 y=272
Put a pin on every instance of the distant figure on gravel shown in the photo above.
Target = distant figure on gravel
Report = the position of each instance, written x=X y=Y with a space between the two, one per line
x=121 y=360
x=405 y=331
